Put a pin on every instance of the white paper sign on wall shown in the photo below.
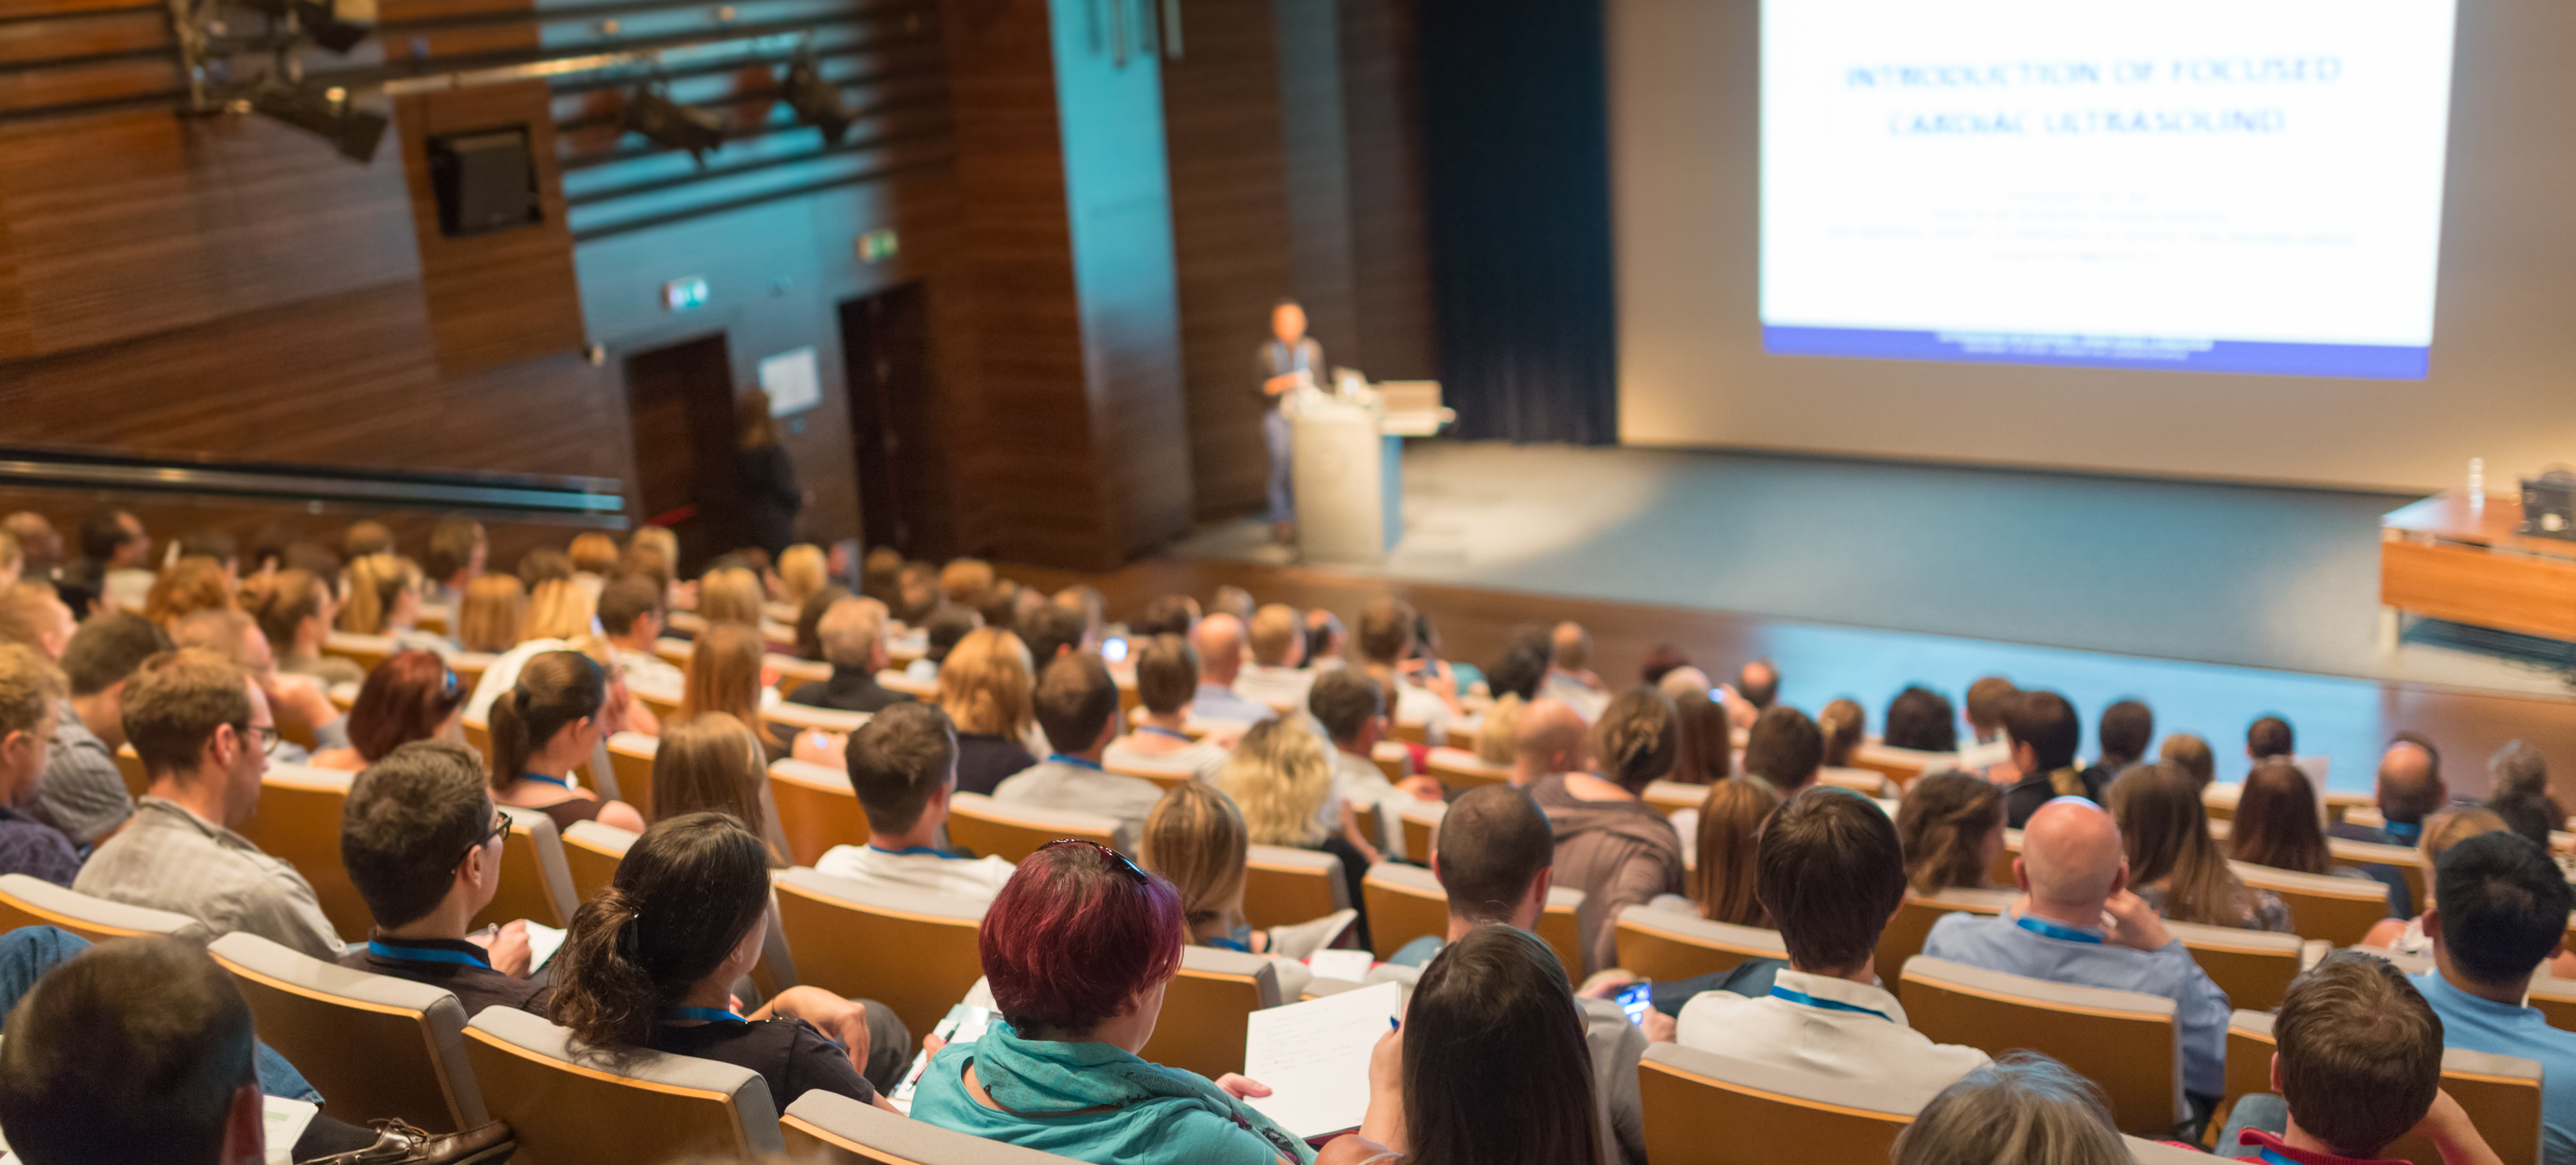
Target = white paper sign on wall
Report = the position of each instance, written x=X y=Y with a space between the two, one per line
x=793 y=382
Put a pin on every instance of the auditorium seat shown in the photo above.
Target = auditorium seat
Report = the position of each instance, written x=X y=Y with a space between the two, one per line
x=2338 y=910
x=2501 y=1094
x=2253 y=967
x=478 y=736
x=787 y=720
x=2001 y=873
x=469 y=667
x=299 y=823
x=914 y=952
x=31 y=901
x=1393 y=759
x=1207 y=1008
x=662 y=697
x=1420 y=821
x=1416 y=732
x=1013 y=832
x=926 y=691
x=1904 y=936
x=129 y=765
x=675 y=652
x=1166 y=779
x=567 y=1109
x=794 y=673
x=1870 y=783
x=1283 y=886
x=827 y=1128
x=1405 y=902
x=2405 y=859
x=367 y=651
x=536 y=884
x=2120 y=1040
x=816 y=809
x=1665 y=945
x=1901 y=765
x=591 y=854
x=630 y=760
x=344 y=696
x=1701 y=1108
x=1461 y=769
x=374 y=1045
x=1671 y=797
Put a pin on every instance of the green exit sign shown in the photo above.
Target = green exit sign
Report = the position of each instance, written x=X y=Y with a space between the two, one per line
x=878 y=245
x=685 y=294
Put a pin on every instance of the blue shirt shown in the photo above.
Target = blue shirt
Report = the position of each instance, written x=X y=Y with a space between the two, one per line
x=2502 y=1029
x=1220 y=704
x=2200 y=1008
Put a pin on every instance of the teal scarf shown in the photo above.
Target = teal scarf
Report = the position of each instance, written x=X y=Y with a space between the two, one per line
x=1037 y=1077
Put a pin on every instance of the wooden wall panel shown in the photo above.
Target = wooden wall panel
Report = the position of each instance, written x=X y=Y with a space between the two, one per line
x=1319 y=175
x=509 y=295
x=1390 y=245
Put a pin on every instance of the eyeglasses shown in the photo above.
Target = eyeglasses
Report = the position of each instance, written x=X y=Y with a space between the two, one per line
x=1117 y=860
x=264 y=736
x=500 y=825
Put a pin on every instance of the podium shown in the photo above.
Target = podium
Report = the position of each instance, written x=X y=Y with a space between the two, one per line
x=1348 y=468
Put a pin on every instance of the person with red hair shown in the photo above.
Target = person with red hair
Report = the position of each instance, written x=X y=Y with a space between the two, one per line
x=1077 y=950
x=412 y=695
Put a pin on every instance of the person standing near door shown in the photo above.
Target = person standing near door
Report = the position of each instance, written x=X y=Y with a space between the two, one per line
x=770 y=497
x=1288 y=360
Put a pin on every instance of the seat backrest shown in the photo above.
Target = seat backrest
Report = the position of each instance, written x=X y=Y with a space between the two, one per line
x=912 y=951
x=566 y=1107
x=2554 y=999
x=1560 y=927
x=536 y=883
x=1459 y=768
x=591 y=854
x=478 y=736
x=1665 y=945
x=817 y=809
x=1705 y=1109
x=1391 y=758
x=376 y=1046
x=630 y=760
x=2500 y=1093
x=366 y=651
x=2121 y=1040
x=1904 y=936
x=2253 y=967
x=2001 y=872
x=129 y=765
x=1404 y=903
x=1420 y=821
x=2338 y=910
x=299 y=823
x=1013 y=832
x=1901 y=765
x=2405 y=859
x=32 y=901
x=1282 y=886
x=1671 y=797
x=1208 y=1008
x=829 y=1127
x=787 y=719
x=469 y=667
x=1165 y=779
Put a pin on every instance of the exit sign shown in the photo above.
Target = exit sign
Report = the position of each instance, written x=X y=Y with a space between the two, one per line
x=878 y=245
x=685 y=294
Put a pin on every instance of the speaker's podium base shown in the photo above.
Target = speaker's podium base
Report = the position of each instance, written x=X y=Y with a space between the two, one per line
x=1348 y=471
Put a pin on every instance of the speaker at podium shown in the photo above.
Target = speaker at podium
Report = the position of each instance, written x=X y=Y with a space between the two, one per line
x=1348 y=468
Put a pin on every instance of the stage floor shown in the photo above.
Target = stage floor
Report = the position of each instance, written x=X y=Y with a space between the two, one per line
x=2246 y=576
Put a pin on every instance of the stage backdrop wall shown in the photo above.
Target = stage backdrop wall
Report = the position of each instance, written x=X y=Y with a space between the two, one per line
x=1684 y=103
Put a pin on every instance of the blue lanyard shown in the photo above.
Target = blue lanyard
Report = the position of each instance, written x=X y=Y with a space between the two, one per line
x=408 y=954
x=2055 y=930
x=1075 y=761
x=704 y=1014
x=915 y=850
x=2403 y=832
x=1801 y=997
x=558 y=782
x=1158 y=730
x=2272 y=1158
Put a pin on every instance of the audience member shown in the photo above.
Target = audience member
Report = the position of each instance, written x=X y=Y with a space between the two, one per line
x=1281 y=775
x=964 y=580
x=542 y=565
x=1232 y=600
x=2356 y=1064
x=1920 y=719
x=630 y=619
x=294 y=610
x=188 y=585
x=13 y=560
x=422 y=843
x=1617 y=849
x=2521 y=792
x=1077 y=708
x=1520 y=670
x=903 y=765
x=1496 y=995
x=917 y=591
x=544 y=727
x=1325 y=639
x=40 y=546
x=492 y=612
x=236 y=637
x=1178 y=614
x=412 y=695
x=384 y=599
x=1352 y=711
x=1275 y=677
x=1785 y=748
x=367 y=536
x=1830 y=873
x=2192 y=753
x=1051 y=631
x=650 y=963
x=1167 y=676
x=2526 y=815
x=82 y=793
x=1570 y=678
x=1755 y=690
x=2122 y=735
x=1077 y=951
x=2515 y=768
x=724 y=675
x=1840 y=725
x=1195 y=839
x=1952 y=827
x=31 y=697
x=1498 y=735
x=809 y=619
x=31 y=614
x=200 y=727
x=1219 y=642
x=209 y=542
x=2078 y=922
x=1707 y=740
x=1662 y=660
x=2500 y=907
x=947 y=627
x=730 y=594
x=2044 y=733
x=852 y=633
x=2409 y=789
x=455 y=558
x=2173 y=863
x=801 y=572
x=711 y=763
x=985 y=688
x=1551 y=739
x=2024 y=1109
x=560 y=610
x=112 y=543
x=1730 y=823
x=1990 y=701
x=1690 y=681
x=1087 y=601
x=1000 y=608
x=2276 y=821
x=1385 y=646
x=2441 y=832
x=2269 y=737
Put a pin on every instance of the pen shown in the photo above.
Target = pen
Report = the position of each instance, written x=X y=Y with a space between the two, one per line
x=1393 y=1024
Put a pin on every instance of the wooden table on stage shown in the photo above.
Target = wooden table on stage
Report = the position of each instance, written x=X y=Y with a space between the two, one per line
x=2444 y=558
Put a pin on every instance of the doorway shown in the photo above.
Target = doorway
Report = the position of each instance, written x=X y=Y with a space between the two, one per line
x=885 y=339
x=679 y=403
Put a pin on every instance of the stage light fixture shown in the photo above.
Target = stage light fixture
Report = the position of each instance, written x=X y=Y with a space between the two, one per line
x=817 y=102
x=326 y=112
x=669 y=124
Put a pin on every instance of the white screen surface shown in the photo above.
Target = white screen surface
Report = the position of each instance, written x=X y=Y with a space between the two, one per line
x=2204 y=185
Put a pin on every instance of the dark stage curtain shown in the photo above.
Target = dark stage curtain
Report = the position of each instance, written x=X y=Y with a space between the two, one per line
x=1516 y=132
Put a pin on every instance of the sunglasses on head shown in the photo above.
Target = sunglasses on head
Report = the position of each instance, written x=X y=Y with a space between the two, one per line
x=1117 y=860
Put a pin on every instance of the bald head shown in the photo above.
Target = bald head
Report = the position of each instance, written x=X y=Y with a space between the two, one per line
x=1684 y=681
x=2409 y=784
x=1571 y=646
x=1550 y=740
x=1219 y=640
x=2070 y=856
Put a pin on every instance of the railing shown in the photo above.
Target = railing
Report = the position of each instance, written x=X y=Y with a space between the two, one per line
x=518 y=497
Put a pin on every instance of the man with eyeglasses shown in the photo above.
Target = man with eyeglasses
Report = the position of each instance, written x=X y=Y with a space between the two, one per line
x=422 y=843
x=204 y=730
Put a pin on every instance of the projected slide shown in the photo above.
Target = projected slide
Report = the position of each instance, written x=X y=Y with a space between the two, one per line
x=2202 y=185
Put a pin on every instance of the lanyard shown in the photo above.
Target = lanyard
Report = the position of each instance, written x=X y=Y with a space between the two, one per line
x=1801 y=997
x=382 y=950
x=1075 y=761
x=703 y=1014
x=558 y=782
x=914 y=850
x=2047 y=929
x=2404 y=832
x=1159 y=730
x=2273 y=1158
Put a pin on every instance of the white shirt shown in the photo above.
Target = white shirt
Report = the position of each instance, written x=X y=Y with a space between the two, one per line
x=1201 y=758
x=647 y=670
x=1359 y=783
x=1420 y=706
x=979 y=879
x=504 y=675
x=1083 y=788
x=1275 y=686
x=1866 y=1038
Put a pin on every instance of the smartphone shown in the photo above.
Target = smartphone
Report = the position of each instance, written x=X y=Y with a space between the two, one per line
x=1637 y=999
x=1113 y=650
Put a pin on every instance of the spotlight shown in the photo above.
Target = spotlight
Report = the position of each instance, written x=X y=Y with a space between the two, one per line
x=672 y=125
x=817 y=102
x=326 y=112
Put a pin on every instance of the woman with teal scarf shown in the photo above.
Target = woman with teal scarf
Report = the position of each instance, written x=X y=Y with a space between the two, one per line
x=1077 y=949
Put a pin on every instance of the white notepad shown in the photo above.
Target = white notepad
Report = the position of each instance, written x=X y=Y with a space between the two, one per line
x=1347 y=966
x=1314 y=1056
